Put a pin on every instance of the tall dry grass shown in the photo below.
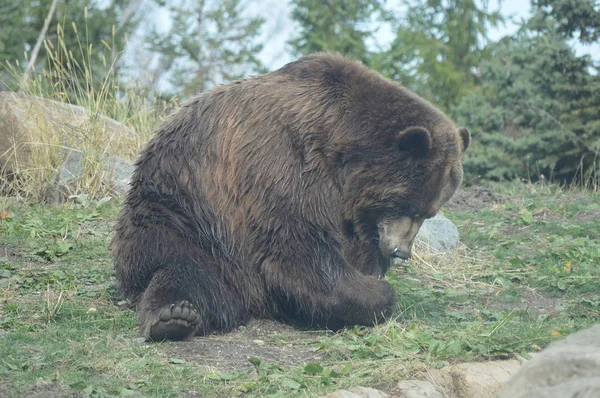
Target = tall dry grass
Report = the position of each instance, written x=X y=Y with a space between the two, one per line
x=111 y=118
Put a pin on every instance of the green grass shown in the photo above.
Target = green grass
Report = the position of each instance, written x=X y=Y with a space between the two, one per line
x=547 y=239
x=528 y=274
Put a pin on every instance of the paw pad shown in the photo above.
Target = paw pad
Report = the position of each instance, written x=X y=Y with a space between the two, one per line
x=175 y=322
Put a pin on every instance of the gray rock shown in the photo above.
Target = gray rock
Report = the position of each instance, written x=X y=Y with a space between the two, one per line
x=566 y=369
x=116 y=173
x=71 y=169
x=481 y=379
x=358 y=392
x=120 y=171
x=437 y=235
x=418 y=389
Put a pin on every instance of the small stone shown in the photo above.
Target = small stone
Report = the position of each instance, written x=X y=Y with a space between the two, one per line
x=482 y=379
x=437 y=235
x=417 y=389
x=258 y=342
x=139 y=340
x=358 y=392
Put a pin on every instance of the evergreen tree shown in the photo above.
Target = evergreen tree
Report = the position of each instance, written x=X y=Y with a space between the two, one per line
x=12 y=34
x=538 y=111
x=578 y=19
x=334 y=25
x=210 y=42
x=438 y=45
x=93 y=32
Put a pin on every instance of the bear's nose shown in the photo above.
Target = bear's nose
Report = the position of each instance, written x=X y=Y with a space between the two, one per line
x=404 y=255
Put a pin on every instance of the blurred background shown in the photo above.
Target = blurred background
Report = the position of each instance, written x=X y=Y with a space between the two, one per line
x=521 y=75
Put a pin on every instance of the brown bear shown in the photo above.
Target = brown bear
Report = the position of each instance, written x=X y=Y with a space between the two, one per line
x=284 y=195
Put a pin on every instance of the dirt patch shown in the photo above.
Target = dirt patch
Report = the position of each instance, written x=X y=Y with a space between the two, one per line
x=39 y=390
x=531 y=300
x=473 y=198
x=8 y=254
x=267 y=340
x=587 y=216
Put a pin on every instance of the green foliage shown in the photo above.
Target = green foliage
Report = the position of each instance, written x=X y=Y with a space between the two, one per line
x=569 y=17
x=437 y=47
x=537 y=112
x=12 y=34
x=335 y=25
x=106 y=24
x=209 y=43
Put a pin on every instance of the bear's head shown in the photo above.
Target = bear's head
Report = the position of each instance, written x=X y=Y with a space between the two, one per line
x=390 y=191
x=397 y=158
x=419 y=196
x=400 y=160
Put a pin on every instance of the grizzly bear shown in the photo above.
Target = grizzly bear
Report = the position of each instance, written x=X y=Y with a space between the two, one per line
x=285 y=195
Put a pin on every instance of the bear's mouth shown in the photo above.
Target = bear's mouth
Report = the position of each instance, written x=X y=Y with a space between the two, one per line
x=396 y=237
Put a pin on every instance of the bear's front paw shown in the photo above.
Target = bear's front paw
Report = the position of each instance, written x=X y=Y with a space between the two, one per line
x=388 y=299
x=178 y=321
x=366 y=301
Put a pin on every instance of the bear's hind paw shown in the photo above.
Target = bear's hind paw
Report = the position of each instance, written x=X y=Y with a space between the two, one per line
x=178 y=321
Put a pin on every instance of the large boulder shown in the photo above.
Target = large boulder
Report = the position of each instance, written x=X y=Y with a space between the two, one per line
x=566 y=369
x=46 y=131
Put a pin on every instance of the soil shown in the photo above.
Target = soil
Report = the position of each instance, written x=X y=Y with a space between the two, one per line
x=531 y=300
x=588 y=216
x=473 y=198
x=8 y=254
x=41 y=390
x=268 y=340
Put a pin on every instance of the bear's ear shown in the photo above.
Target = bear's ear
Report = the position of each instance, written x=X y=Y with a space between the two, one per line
x=466 y=137
x=414 y=140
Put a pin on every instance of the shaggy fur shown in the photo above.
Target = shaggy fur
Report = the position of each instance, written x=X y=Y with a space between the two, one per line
x=283 y=195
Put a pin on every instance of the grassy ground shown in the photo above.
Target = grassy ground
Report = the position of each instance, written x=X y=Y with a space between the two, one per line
x=528 y=274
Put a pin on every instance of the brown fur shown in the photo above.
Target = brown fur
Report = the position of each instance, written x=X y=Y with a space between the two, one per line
x=268 y=197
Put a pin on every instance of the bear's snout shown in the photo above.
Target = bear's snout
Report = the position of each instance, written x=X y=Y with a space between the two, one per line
x=401 y=254
x=396 y=236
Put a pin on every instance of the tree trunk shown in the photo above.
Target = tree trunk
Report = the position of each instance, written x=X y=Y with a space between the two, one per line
x=38 y=44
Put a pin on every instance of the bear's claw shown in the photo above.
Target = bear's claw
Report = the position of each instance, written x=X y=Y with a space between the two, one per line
x=178 y=321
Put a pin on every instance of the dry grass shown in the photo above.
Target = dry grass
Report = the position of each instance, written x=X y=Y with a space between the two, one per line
x=82 y=106
x=453 y=270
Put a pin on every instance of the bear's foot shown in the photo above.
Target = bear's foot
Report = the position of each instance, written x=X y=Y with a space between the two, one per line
x=178 y=321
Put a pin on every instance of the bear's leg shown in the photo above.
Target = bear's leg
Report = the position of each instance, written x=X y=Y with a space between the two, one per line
x=187 y=299
x=333 y=300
